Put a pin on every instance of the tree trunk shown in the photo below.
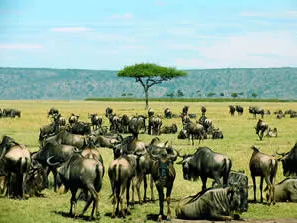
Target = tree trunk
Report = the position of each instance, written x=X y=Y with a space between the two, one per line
x=146 y=97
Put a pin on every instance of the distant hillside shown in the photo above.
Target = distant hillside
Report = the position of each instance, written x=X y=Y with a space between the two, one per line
x=73 y=84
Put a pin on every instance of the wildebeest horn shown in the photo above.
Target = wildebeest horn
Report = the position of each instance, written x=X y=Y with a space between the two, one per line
x=281 y=154
x=50 y=163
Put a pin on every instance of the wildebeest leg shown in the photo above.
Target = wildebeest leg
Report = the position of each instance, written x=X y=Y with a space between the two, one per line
x=73 y=202
x=121 y=200
x=8 y=185
x=138 y=183
x=216 y=216
x=161 y=202
x=270 y=190
x=127 y=196
x=55 y=173
x=204 y=179
x=254 y=187
x=152 y=188
x=168 y=193
x=272 y=181
x=261 y=188
x=95 y=198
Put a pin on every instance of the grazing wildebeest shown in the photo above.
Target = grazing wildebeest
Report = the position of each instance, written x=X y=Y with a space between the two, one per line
x=285 y=191
x=289 y=161
x=232 y=109
x=205 y=163
x=239 y=109
x=53 y=111
x=96 y=120
x=163 y=174
x=14 y=159
x=256 y=110
x=221 y=204
x=261 y=127
x=168 y=129
x=82 y=173
x=154 y=125
x=120 y=172
x=167 y=113
x=264 y=166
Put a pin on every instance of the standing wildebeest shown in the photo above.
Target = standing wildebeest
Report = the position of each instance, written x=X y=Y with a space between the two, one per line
x=167 y=113
x=256 y=110
x=285 y=191
x=124 y=124
x=154 y=125
x=163 y=174
x=205 y=163
x=203 y=110
x=137 y=125
x=96 y=120
x=289 y=161
x=82 y=173
x=264 y=166
x=53 y=111
x=108 y=111
x=194 y=131
x=120 y=172
x=185 y=110
x=261 y=127
x=239 y=109
x=232 y=109
x=221 y=204
x=14 y=158
x=73 y=118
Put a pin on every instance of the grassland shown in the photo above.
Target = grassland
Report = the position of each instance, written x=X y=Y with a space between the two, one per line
x=239 y=136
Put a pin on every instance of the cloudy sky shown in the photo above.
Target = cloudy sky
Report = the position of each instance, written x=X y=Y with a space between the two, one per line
x=186 y=34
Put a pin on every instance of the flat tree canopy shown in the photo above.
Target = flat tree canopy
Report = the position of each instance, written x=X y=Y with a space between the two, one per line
x=148 y=74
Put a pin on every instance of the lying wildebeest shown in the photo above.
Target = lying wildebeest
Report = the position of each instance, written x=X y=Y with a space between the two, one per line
x=205 y=163
x=272 y=132
x=163 y=173
x=52 y=111
x=106 y=141
x=79 y=127
x=232 y=109
x=182 y=134
x=14 y=159
x=264 y=166
x=11 y=112
x=81 y=173
x=168 y=129
x=96 y=120
x=221 y=204
x=289 y=161
x=216 y=134
x=285 y=191
x=256 y=110
x=120 y=172
x=261 y=127
x=154 y=125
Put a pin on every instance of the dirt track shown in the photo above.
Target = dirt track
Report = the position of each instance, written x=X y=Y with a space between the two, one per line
x=282 y=220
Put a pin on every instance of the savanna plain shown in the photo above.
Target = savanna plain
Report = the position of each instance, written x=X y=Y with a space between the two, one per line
x=239 y=136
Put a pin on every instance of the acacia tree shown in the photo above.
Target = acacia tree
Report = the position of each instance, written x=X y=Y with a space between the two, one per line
x=148 y=75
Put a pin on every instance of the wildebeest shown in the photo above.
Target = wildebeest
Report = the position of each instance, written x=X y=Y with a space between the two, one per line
x=232 y=109
x=14 y=159
x=203 y=110
x=205 y=163
x=82 y=173
x=120 y=172
x=256 y=110
x=163 y=174
x=96 y=120
x=168 y=129
x=264 y=166
x=108 y=111
x=50 y=129
x=52 y=111
x=194 y=131
x=185 y=110
x=285 y=191
x=272 y=132
x=289 y=161
x=106 y=141
x=239 y=109
x=216 y=133
x=154 y=125
x=79 y=127
x=124 y=123
x=213 y=204
x=137 y=125
x=11 y=112
x=261 y=127
x=73 y=118
x=167 y=113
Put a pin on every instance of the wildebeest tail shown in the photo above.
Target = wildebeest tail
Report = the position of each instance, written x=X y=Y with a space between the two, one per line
x=98 y=179
x=227 y=165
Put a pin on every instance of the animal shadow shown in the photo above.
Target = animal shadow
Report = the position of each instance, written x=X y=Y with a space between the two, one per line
x=67 y=215
x=154 y=217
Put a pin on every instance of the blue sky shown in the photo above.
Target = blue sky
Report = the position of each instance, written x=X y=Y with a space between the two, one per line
x=186 y=34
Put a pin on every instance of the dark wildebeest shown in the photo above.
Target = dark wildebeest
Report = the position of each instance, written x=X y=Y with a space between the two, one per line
x=79 y=127
x=82 y=173
x=73 y=118
x=264 y=166
x=50 y=129
x=124 y=124
x=106 y=141
x=154 y=125
x=239 y=109
x=185 y=110
x=11 y=112
x=96 y=120
x=14 y=159
x=256 y=110
x=137 y=125
x=205 y=163
x=261 y=127
x=167 y=113
x=194 y=131
x=216 y=134
x=52 y=111
x=163 y=174
x=221 y=204
x=114 y=123
x=203 y=110
x=120 y=172
x=285 y=191
x=289 y=161
x=168 y=129
x=232 y=109
x=108 y=111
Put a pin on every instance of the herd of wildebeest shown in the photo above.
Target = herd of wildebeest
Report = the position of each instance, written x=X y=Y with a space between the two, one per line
x=69 y=149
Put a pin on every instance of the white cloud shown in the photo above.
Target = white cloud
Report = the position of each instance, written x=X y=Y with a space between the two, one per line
x=16 y=46
x=280 y=14
x=70 y=29
x=123 y=16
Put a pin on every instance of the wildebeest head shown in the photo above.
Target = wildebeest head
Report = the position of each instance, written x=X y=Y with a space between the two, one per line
x=289 y=160
x=237 y=198
x=187 y=168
